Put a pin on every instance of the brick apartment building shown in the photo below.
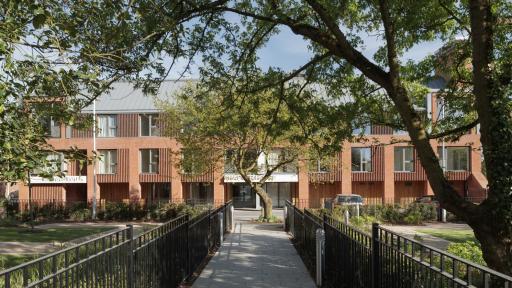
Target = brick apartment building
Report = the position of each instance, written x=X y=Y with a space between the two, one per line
x=137 y=162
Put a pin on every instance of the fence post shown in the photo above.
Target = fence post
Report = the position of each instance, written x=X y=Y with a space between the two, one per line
x=285 y=218
x=130 y=267
x=221 y=230
x=187 y=226
x=346 y=217
x=443 y=215
x=231 y=222
x=320 y=244
x=357 y=210
x=375 y=256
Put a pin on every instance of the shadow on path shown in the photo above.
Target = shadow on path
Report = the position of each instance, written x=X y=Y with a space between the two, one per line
x=256 y=255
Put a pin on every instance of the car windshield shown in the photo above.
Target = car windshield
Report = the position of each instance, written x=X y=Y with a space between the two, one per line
x=349 y=199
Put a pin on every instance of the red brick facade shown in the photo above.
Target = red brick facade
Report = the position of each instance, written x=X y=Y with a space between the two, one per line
x=381 y=184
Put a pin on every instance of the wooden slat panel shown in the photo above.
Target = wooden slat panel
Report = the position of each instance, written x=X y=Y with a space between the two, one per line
x=122 y=169
x=47 y=192
x=333 y=176
x=114 y=192
x=81 y=133
x=377 y=173
x=372 y=192
x=206 y=177
x=407 y=191
x=457 y=175
x=128 y=125
x=381 y=130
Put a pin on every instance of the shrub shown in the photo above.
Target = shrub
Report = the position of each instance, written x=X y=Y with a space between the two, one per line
x=173 y=210
x=9 y=222
x=468 y=250
x=272 y=219
x=122 y=211
x=363 y=222
x=81 y=215
x=10 y=208
x=390 y=213
x=413 y=217
x=427 y=212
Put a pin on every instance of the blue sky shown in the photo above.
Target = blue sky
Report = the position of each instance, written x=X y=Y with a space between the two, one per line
x=289 y=51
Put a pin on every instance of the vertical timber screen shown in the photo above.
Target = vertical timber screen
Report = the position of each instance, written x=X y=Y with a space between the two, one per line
x=354 y=258
x=161 y=257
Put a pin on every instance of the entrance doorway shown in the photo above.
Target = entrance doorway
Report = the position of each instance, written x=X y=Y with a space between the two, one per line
x=243 y=197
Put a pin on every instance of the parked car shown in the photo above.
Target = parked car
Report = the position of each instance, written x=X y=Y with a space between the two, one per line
x=428 y=199
x=353 y=199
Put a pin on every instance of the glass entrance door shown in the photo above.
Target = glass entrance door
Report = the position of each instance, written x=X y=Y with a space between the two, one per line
x=243 y=197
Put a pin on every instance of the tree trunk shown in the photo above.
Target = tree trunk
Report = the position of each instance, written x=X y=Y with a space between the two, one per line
x=267 y=201
x=496 y=244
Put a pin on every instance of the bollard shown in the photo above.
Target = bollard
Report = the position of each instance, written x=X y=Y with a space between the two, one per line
x=221 y=225
x=232 y=222
x=285 y=217
x=346 y=216
x=320 y=248
x=443 y=215
x=357 y=210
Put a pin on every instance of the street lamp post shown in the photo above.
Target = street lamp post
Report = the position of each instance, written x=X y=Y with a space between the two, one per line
x=94 y=160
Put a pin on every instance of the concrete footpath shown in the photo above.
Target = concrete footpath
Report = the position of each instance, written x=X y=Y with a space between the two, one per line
x=255 y=255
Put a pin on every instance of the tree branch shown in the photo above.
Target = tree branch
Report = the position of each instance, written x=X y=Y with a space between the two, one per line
x=455 y=130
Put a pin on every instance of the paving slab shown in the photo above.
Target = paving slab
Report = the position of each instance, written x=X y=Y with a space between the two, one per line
x=255 y=255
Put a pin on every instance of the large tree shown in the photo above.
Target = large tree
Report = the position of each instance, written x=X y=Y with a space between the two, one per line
x=479 y=78
x=254 y=135
x=142 y=40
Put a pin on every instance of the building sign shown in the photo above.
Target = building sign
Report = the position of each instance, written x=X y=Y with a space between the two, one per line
x=65 y=179
x=278 y=177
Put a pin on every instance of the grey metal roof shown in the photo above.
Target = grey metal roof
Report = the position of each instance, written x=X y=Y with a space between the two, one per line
x=123 y=98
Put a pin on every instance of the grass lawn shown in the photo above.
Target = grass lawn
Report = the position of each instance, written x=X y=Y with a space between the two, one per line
x=7 y=261
x=21 y=234
x=456 y=236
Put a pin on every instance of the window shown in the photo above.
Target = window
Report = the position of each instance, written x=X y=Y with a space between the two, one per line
x=320 y=165
x=108 y=161
x=457 y=158
x=107 y=125
x=366 y=130
x=404 y=159
x=279 y=156
x=148 y=125
x=51 y=127
x=149 y=160
x=229 y=167
x=400 y=132
x=361 y=159
x=55 y=162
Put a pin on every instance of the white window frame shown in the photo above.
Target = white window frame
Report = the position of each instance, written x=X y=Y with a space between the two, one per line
x=51 y=125
x=151 y=163
x=154 y=130
x=111 y=166
x=111 y=130
x=447 y=148
x=362 y=163
x=404 y=161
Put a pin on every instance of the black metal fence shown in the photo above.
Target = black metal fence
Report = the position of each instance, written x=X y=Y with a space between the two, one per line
x=354 y=258
x=161 y=257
